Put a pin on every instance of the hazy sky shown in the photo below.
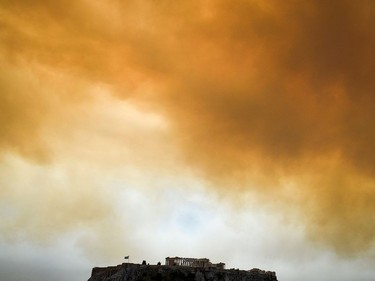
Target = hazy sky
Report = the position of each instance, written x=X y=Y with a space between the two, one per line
x=240 y=131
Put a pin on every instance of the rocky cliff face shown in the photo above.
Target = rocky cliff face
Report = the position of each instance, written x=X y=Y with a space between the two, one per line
x=137 y=272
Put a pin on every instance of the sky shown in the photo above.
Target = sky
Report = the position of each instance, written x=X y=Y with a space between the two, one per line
x=241 y=131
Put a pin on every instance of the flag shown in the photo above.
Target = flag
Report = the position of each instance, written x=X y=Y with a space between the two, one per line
x=126 y=257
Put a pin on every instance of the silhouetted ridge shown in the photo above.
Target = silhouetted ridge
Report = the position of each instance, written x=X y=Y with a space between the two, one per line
x=138 y=272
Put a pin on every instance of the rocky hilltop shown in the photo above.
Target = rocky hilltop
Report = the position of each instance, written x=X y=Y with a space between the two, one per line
x=138 y=272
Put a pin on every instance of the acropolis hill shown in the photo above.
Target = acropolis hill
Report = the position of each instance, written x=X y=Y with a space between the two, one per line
x=179 y=269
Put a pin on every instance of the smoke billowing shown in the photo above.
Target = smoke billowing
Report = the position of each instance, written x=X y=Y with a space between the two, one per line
x=275 y=97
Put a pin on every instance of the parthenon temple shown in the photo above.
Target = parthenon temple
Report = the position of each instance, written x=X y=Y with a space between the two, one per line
x=193 y=262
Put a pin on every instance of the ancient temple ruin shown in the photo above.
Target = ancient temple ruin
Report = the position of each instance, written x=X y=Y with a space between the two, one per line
x=193 y=262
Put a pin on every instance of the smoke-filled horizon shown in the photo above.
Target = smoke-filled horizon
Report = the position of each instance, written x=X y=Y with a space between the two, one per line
x=267 y=101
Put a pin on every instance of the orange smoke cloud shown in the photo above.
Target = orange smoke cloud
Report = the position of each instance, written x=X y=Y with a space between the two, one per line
x=258 y=93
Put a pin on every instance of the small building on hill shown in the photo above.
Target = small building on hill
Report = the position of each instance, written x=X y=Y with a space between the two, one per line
x=193 y=262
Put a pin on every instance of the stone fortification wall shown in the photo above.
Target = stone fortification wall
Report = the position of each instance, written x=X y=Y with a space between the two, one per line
x=137 y=272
